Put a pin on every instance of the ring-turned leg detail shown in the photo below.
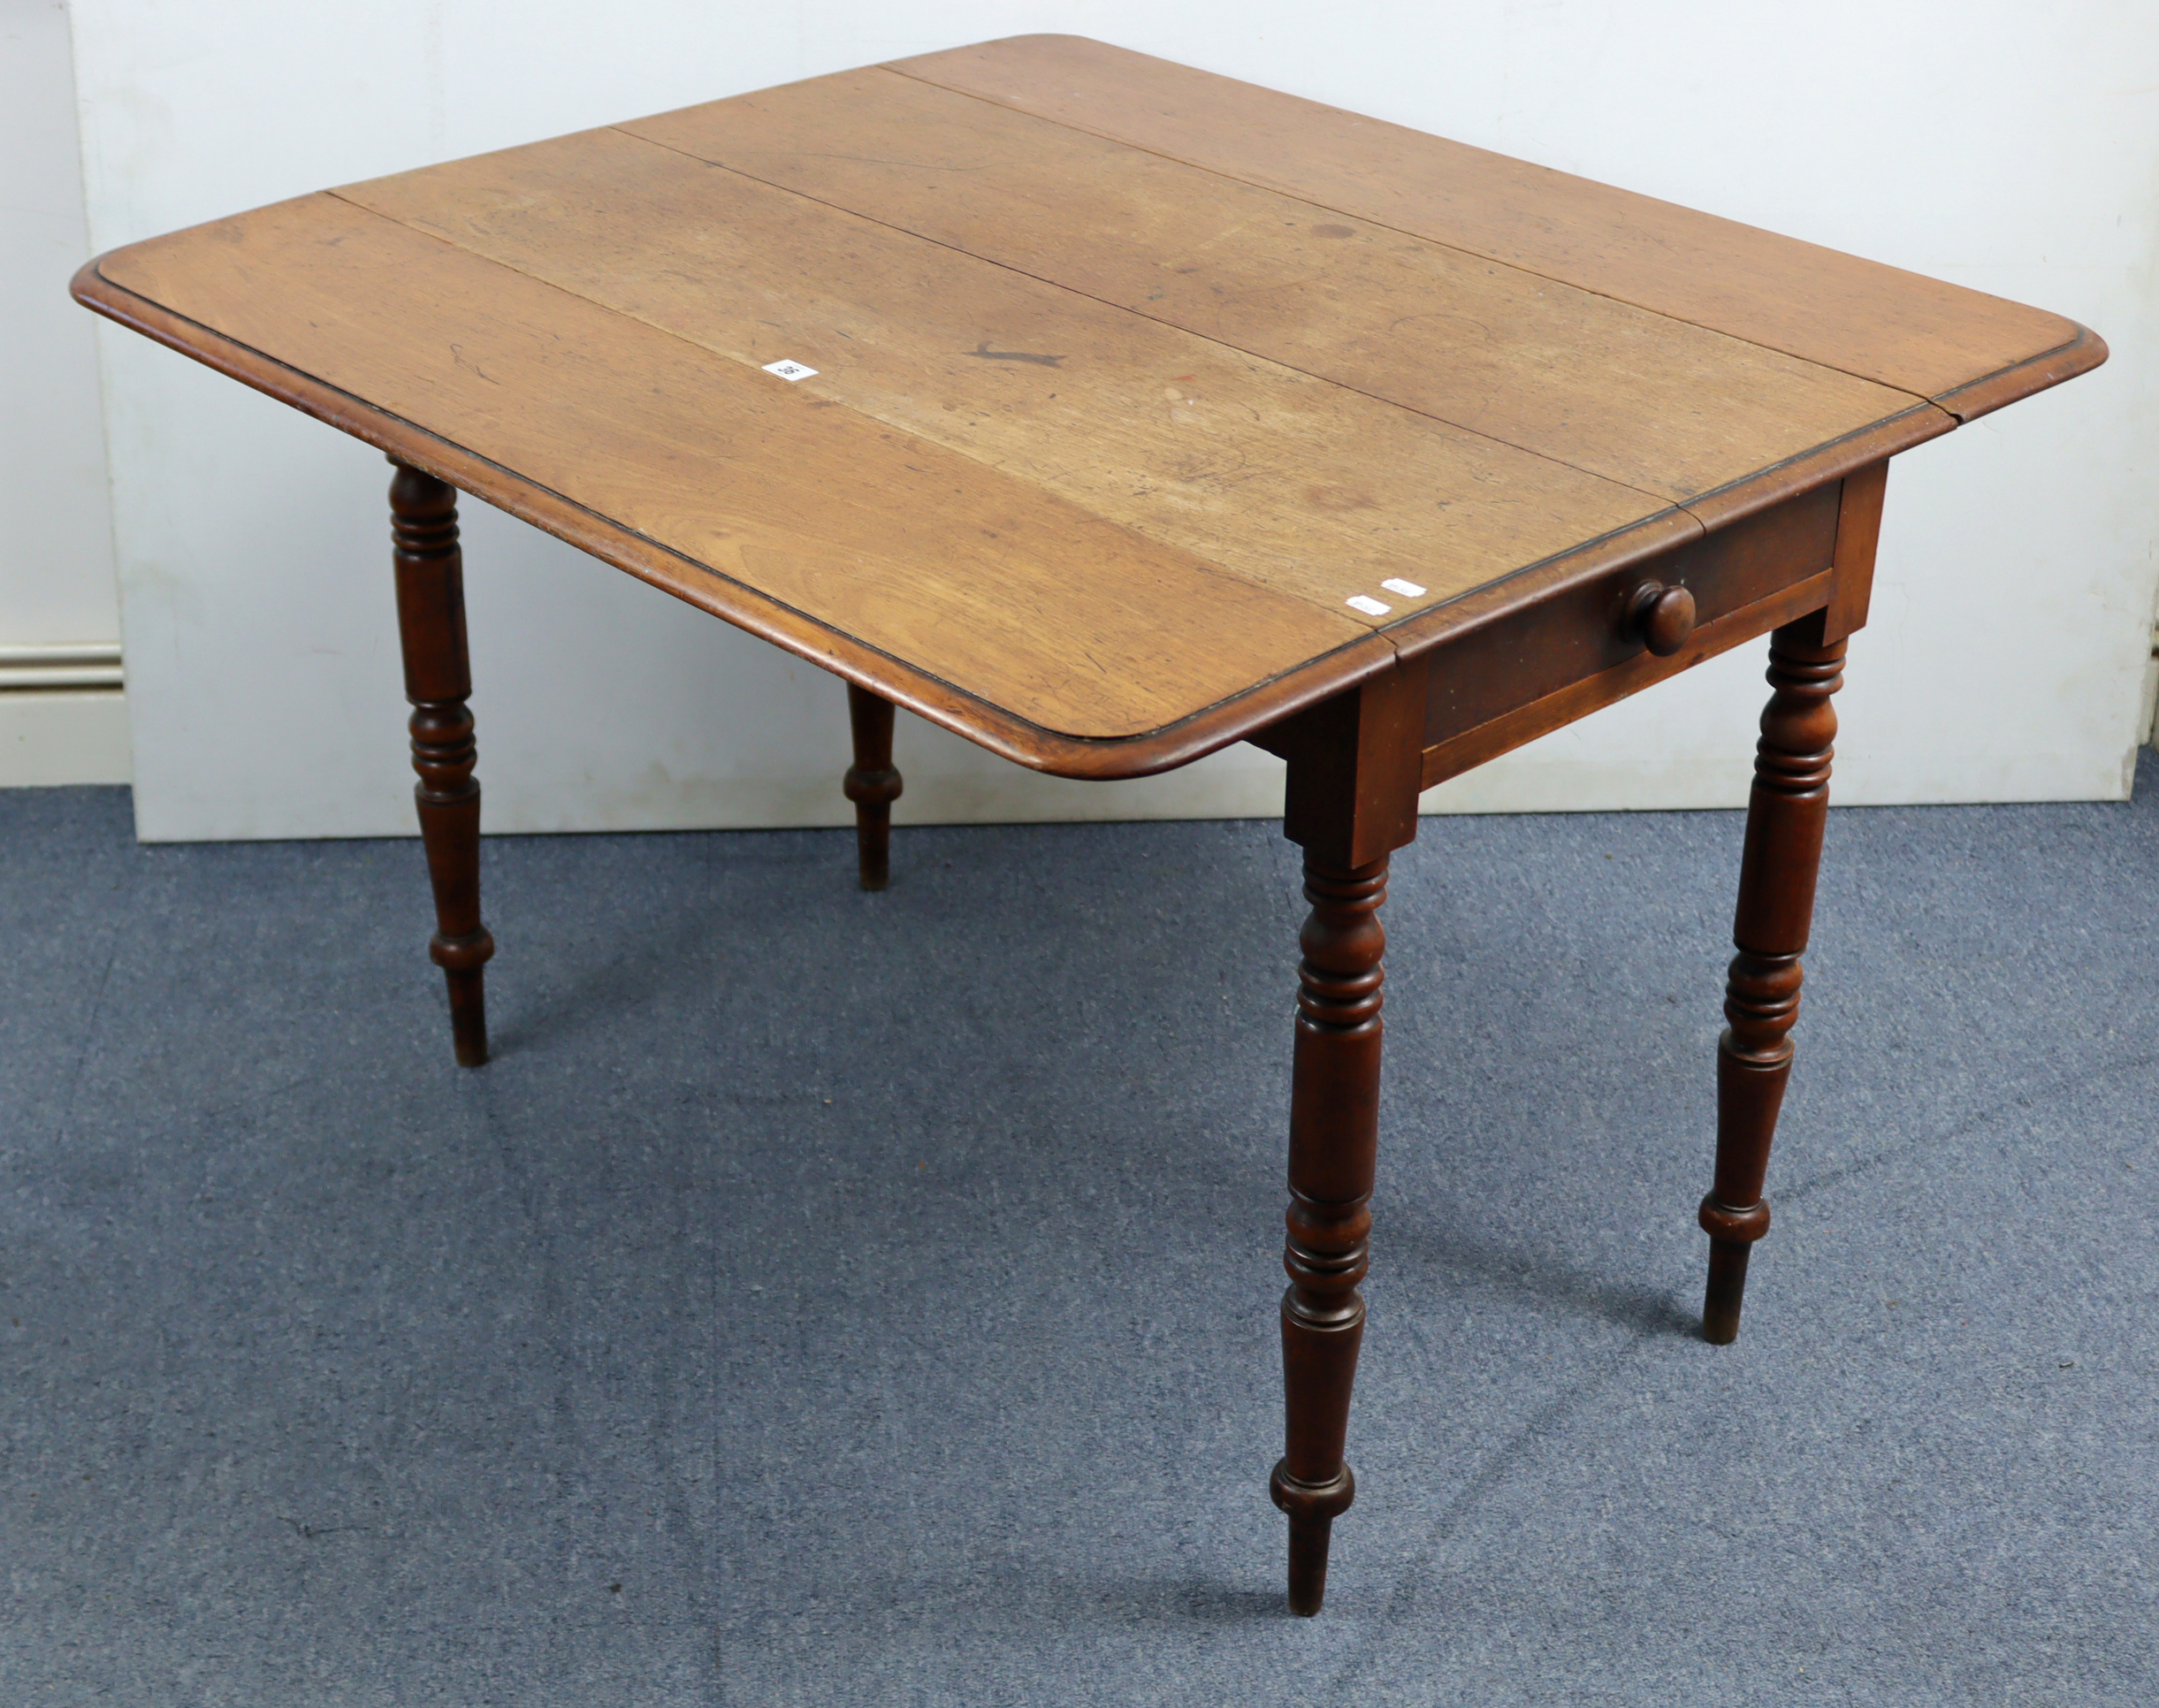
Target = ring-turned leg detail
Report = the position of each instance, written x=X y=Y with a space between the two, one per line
x=431 y=615
x=871 y=783
x=1333 y=1146
x=1786 y=815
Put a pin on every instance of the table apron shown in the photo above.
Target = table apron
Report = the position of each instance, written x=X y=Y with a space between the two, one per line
x=1534 y=670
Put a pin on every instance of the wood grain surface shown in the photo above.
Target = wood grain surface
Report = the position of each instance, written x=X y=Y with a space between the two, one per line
x=1149 y=408
x=806 y=637
x=1008 y=592
x=1878 y=323
x=1640 y=398
x=1288 y=481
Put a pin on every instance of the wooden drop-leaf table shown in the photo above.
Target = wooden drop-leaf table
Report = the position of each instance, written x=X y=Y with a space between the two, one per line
x=1108 y=412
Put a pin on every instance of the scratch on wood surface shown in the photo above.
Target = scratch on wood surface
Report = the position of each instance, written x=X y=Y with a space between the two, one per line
x=989 y=354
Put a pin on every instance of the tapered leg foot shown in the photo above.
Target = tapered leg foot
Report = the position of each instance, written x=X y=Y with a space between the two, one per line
x=468 y=1000
x=431 y=611
x=1308 y=1564
x=1312 y=1510
x=1786 y=815
x=871 y=783
x=1727 y=1286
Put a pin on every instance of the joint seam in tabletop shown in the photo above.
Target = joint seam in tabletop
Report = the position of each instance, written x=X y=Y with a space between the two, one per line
x=1402 y=637
x=1411 y=631
x=1661 y=506
x=1410 y=642
x=1916 y=402
x=1157 y=749
x=1139 y=314
x=1762 y=478
x=1990 y=394
x=869 y=529
x=365 y=420
x=1755 y=489
x=1401 y=230
x=2083 y=335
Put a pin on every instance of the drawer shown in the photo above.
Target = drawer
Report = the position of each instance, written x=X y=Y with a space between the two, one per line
x=1505 y=681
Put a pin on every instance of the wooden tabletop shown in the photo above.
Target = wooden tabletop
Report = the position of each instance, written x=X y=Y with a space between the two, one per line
x=1147 y=407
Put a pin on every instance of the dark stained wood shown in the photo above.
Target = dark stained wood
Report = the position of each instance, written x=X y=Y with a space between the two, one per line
x=871 y=783
x=1352 y=801
x=1661 y=617
x=1858 y=529
x=1524 y=723
x=1349 y=794
x=1584 y=643
x=1333 y=1149
x=431 y=620
x=1786 y=816
x=1970 y=351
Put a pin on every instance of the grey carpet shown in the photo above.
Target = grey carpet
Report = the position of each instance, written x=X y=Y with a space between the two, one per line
x=839 y=1299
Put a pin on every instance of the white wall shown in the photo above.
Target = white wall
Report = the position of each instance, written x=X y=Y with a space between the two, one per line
x=62 y=715
x=2007 y=146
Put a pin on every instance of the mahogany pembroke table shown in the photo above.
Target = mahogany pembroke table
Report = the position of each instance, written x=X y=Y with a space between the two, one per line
x=1108 y=412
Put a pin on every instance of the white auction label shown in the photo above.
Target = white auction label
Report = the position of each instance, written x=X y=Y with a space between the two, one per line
x=789 y=370
x=1370 y=606
x=1408 y=590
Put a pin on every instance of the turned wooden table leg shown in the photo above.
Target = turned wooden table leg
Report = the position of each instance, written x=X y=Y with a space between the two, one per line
x=871 y=783
x=1786 y=814
x=1333 y=1147
x=431 y=615
x=1353 y=769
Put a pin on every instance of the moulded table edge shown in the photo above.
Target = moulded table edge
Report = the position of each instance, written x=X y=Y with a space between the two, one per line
x=809 y=637
x=2022 y=380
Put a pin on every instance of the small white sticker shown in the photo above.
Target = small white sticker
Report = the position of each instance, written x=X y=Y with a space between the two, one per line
x=1371 y=607
x=1408 y=590
x=789 y=370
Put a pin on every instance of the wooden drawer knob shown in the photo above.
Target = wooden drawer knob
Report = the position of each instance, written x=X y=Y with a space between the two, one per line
x=1660 y=617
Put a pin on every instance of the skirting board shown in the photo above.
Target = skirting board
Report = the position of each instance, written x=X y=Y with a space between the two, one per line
x=52 y=737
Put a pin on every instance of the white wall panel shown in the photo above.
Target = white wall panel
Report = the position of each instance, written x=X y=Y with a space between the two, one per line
x=56 y=590
x=2012 y=150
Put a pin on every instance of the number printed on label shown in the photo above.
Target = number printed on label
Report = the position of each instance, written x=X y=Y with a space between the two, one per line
x=789 y=370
